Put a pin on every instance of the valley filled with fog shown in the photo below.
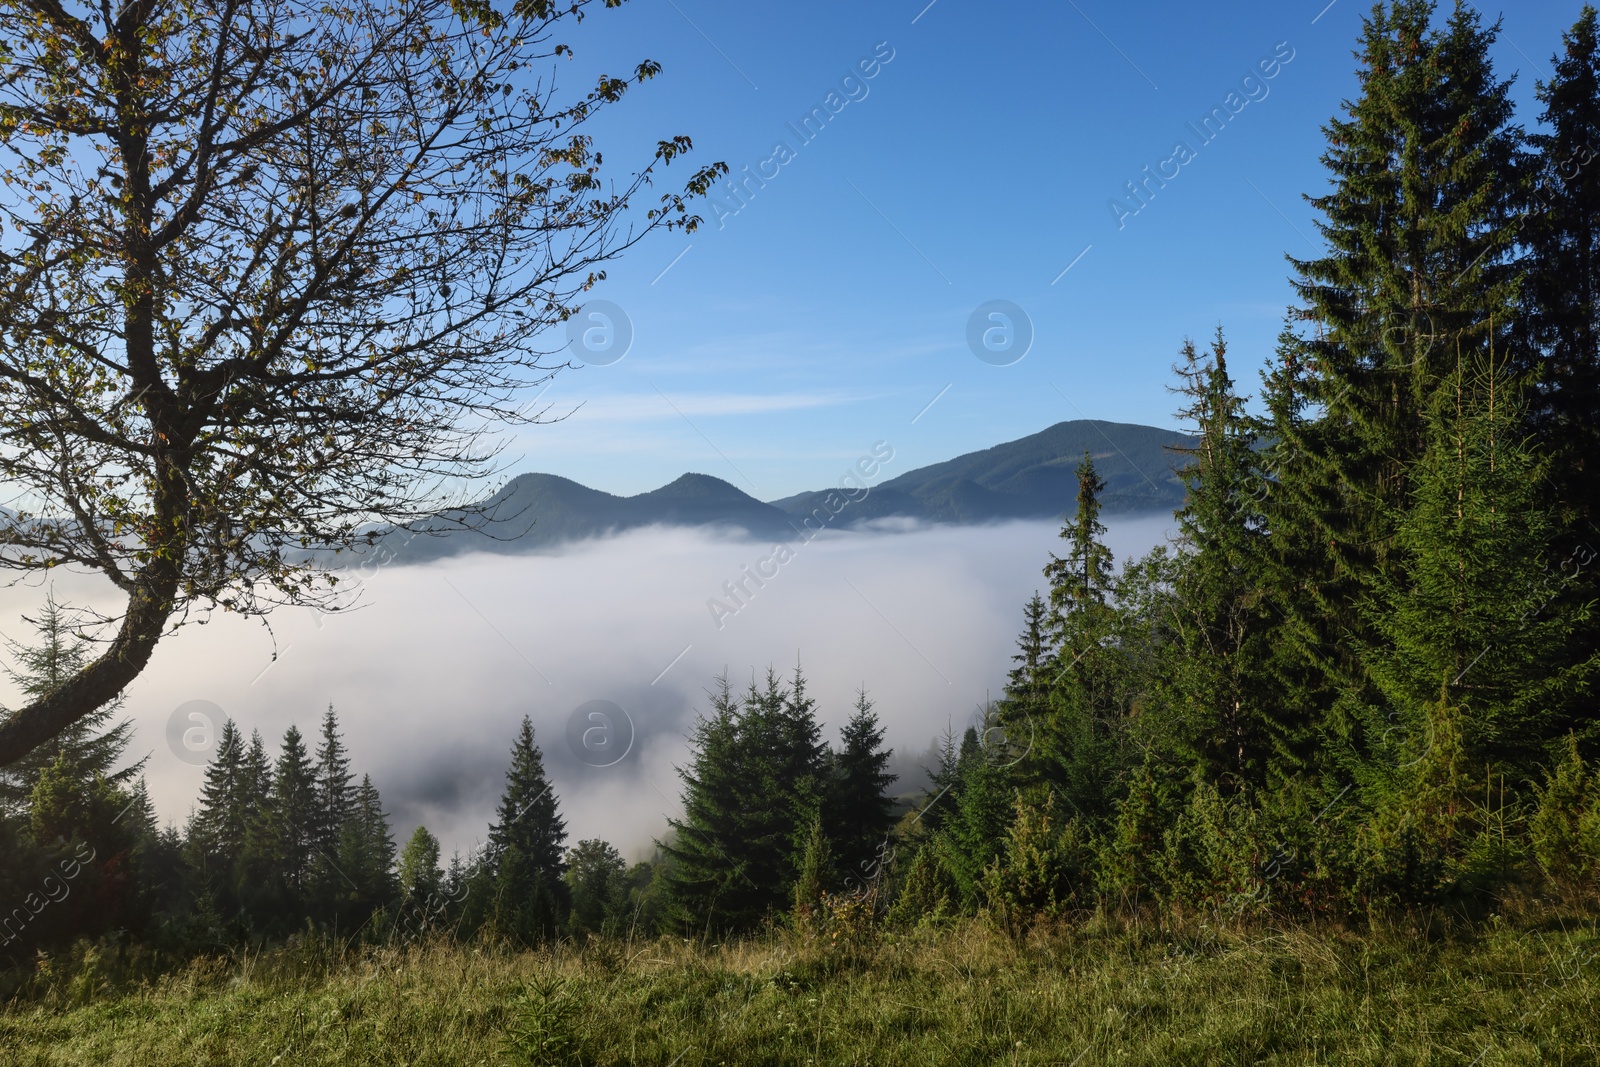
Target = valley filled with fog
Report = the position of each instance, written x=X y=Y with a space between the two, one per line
x=432 y=673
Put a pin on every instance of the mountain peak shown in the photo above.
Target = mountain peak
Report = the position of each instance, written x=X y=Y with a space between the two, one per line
x=693 y=486
x=1033 y=477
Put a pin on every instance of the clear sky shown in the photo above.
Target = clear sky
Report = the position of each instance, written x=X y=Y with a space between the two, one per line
x=826 y=311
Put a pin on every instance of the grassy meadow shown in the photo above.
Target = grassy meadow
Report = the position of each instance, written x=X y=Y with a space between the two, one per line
x=1427 y=990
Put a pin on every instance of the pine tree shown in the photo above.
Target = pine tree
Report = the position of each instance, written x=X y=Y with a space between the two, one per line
x=707 y=885
x=217 y=833
x=366 y=864
x=1467 y=631
x=1225 y=704
x=1077 y=743
x=524 y=860
x=1562 y=291
x=294 y=822
x=1421 y=223
x=93 y=745
x=330 y=885
x=862 y=812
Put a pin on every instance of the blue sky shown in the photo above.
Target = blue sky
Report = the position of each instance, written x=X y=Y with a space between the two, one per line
x=776 y=345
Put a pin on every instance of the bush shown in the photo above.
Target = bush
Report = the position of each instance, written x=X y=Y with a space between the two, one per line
x=1206 y=855
x=929 y=893
x=1042 y=870
x=1565 y=828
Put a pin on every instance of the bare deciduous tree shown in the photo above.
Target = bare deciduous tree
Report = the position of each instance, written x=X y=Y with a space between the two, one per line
x=269 y=269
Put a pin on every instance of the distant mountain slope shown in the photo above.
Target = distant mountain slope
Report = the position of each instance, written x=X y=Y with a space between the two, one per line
x=1032 y=477
x=536 y=511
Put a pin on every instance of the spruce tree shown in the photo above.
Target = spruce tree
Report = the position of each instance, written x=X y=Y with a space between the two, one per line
x=798 y=761
x=862 y=812
x=758 y=777
x=707 y=885
x=1077 y=743
x=364 y=872
x=1081 y=583
x=1302 y=583
x=973 y=835
x=294 y=823
x=1562 y=292
x=1467 y=633
x=524 y=860
x=257 y=878
x=334 y=832
x=217 y=833
x=113 y=821
x=783 y=757
x=528 y=818
x=1226 y=708
x=335 y=796
x=93 y=745
x=1561 y=311
x=219 y=825
x=1421 y=223
x=816 y=876
x=1026 y=704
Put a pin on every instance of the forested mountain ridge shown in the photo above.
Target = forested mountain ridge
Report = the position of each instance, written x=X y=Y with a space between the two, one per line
x=1029 y=478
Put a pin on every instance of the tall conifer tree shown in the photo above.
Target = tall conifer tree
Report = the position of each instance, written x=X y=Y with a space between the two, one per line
x=862 y=810
x=1227 y=713
x=1076 y=747
x=294 y=818
x=1421 y=224
x=525 y=856
x=94 y=744
x=708 y=887
x=1562 y=292
x=366 y=869
x=218 y=832
x=335 y=811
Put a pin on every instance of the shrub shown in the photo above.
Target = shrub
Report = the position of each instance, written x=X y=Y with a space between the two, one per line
x=1565 y=828
x=1042 y=870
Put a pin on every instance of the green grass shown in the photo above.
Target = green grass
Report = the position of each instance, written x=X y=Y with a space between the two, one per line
x=1503 y=993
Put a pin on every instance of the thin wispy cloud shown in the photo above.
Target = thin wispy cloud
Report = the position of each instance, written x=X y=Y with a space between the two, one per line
x=637 y=407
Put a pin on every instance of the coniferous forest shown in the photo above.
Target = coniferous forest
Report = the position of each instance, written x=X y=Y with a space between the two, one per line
x=1361 y=690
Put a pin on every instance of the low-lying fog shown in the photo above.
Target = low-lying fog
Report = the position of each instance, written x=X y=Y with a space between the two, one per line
x=431 y=677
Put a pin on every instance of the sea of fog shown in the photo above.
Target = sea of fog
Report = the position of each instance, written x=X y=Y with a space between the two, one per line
x=432 y=674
